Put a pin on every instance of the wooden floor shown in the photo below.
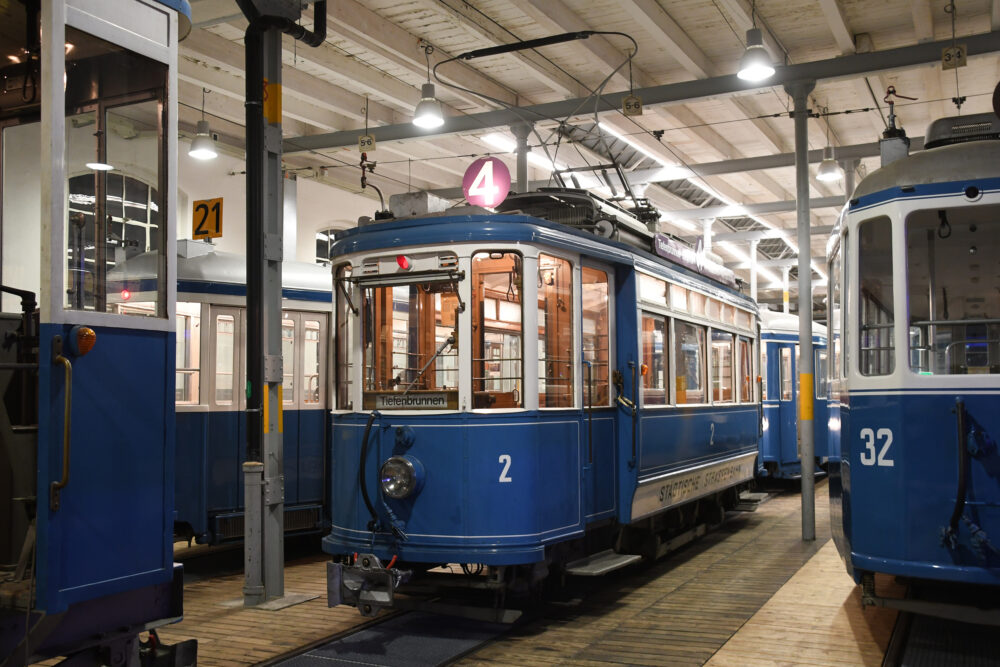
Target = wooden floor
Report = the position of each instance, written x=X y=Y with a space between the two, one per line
x=750 y=593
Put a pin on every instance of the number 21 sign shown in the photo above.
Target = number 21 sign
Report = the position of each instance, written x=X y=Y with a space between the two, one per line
x=486 y=182
x=206 y=219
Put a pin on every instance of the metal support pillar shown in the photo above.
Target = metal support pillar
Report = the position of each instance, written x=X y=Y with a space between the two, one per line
x=807 y=447
x=263 y=472
x=753 y=269
x=784 y=291
x=850 y=167
x=521 y=131
x=706 y=234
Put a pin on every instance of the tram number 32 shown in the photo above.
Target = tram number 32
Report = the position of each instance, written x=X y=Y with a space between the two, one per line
x=877 y=445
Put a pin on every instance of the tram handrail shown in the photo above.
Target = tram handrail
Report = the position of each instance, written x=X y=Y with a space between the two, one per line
x=63 y=482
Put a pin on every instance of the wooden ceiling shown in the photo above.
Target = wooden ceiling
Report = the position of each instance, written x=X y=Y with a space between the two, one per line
x=374 y=58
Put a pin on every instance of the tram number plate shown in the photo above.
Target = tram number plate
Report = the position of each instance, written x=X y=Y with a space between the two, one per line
x=206 y=219
x=877 y=443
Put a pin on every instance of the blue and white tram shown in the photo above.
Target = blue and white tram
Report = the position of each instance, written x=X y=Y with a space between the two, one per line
x=520 y=394
x=915 y=389
x=88 y=151
x=210 y=406
x=779 y=443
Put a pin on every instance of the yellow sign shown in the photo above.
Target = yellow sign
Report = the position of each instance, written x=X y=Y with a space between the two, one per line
x=366 y=143
x=272 y=102
x=206 y=219
x=632 y=106
x=953 y=57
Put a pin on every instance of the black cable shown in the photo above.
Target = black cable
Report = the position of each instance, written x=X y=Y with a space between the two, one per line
x=361 y=471
x=963 y=463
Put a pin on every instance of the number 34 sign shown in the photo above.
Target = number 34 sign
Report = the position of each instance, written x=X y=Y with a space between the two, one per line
x=486 y=182
x=206 y=219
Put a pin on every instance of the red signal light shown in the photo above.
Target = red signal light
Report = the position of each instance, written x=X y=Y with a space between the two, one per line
x=403 y=261
x=126 y=295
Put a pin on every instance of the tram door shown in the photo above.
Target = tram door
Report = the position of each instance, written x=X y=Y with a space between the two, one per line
x=598 y=428
x=303 y=351
x=787 y=403
x=226 y=419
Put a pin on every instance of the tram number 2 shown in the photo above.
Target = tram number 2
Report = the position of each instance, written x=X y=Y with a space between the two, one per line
x=877 y=445
x=505 y=460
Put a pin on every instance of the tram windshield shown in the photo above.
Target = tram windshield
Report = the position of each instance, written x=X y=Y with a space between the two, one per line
x=410 y=340
x=953 y=289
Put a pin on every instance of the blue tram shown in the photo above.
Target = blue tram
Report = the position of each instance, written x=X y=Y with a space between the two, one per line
x=527 y=396
x=779 y=358
x=918 y=490
x=88 y=146
x=210 y=405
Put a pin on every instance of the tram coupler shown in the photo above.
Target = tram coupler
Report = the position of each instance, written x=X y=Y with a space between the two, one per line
x=366 y=584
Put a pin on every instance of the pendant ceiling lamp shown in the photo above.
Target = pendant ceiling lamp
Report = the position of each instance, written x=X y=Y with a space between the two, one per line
x=203 y=145
x=428 y=114
x=756 y=64
x=829 y=169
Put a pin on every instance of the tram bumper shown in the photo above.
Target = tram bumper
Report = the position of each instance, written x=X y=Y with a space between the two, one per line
x=366 y=585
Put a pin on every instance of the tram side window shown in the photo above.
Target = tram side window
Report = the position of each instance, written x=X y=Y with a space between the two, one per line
x=951 y=287
x=596 y=339
x=287 y=360
x=225 y=330
x=311 y=375
x=116 y=203
x=654 y=348
x=188 y=353
x=722 y=367
x=555 y=333
x=689 y=355
x=652 y=289
x=763 y=371
x=819 y=368
x=785 y=373
x=875 y=297
x=746 y=368
x=835 y=313
x=497 y=330
x=346 y=315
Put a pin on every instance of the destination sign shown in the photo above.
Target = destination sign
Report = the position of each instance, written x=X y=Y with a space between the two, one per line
x=413 y=400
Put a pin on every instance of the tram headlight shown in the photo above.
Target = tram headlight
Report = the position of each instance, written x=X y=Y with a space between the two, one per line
x=401 y=477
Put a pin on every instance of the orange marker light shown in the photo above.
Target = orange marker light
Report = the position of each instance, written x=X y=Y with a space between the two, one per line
x=403 y=261
x=644 y=369
x=85 y=339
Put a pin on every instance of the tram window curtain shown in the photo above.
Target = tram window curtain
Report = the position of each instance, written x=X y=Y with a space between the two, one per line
x=876 y=314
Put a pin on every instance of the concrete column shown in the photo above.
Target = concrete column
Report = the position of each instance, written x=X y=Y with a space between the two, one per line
x=521 y=132
x=800 y=93
x=753 y=270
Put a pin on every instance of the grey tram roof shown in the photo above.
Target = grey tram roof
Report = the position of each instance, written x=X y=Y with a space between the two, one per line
x=198 y=261
x=772 y=321
x=958 y=162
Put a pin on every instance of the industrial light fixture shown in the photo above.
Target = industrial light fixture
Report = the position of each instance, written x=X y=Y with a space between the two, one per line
x=428 y=114
x=829 y=170
x=756 y=64
x=203 y=145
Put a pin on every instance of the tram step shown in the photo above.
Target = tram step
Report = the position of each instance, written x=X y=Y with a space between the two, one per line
x=751 y=500
x=601 y=563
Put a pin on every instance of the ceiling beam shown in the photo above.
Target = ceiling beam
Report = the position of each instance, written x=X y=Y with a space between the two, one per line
x=833 y=68
x=760 y=235
x=744 y=210
x=771 y=263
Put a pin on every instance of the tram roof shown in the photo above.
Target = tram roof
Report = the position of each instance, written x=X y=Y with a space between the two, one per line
x=772 y=321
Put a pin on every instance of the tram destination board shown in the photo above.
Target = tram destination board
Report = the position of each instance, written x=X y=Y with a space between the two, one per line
x=411 y=400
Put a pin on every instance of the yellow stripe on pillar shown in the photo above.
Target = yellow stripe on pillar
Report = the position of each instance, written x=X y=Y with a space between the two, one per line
x=264 y=412
x=805 y=396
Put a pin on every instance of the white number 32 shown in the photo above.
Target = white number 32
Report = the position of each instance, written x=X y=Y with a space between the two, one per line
x=874 y=454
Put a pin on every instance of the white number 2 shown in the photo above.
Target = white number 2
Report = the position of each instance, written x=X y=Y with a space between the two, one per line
x=505 y=459
x=872 y=454
x=483 y=185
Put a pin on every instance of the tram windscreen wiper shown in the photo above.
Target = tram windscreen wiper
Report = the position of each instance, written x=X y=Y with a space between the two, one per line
x=450 y=341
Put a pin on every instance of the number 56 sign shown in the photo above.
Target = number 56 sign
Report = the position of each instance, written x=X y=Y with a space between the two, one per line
x=206 y=219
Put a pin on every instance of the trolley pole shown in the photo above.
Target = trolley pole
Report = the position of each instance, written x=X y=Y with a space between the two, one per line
x=807 y=447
